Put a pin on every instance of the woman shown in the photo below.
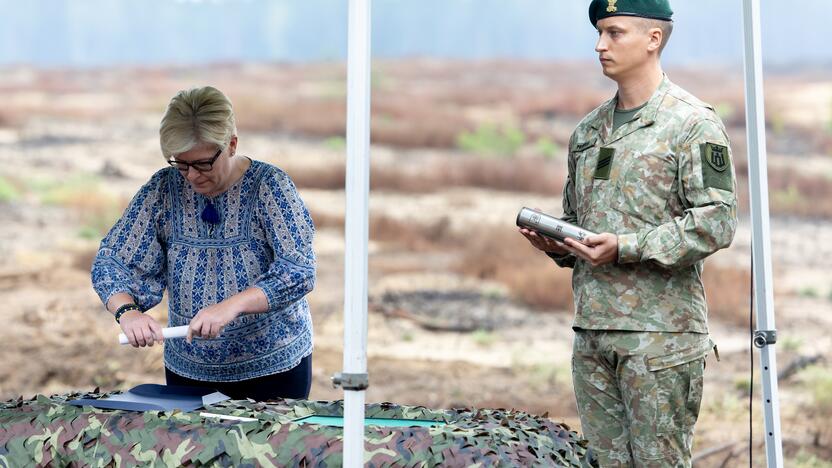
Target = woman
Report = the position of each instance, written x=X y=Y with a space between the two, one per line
x=231 y=241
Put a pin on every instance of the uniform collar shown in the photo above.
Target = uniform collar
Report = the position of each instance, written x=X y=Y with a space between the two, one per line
x=643 y=118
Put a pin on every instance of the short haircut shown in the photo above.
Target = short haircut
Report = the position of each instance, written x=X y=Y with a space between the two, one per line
x=194 y=116
x=665 y=26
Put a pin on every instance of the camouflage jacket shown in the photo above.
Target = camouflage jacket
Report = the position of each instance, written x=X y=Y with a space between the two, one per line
x=664 y=183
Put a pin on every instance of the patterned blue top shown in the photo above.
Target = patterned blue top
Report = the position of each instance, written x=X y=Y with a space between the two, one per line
x=264 y=239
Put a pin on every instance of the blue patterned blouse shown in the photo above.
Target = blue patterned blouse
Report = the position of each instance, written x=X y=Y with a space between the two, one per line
x=264 y=239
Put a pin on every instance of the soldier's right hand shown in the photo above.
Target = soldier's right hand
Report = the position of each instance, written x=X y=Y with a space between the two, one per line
x=140 y=329
x=544 y=243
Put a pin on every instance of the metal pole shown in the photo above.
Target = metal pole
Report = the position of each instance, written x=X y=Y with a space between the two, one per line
x=354 y=377
x=765 y=334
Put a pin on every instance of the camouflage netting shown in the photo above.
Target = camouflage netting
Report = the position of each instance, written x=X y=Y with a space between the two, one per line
x=46 y=431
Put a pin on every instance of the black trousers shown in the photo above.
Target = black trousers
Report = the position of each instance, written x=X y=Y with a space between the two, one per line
x=293 y=383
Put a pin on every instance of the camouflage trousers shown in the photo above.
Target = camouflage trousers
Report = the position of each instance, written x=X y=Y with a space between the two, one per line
x=638 y=394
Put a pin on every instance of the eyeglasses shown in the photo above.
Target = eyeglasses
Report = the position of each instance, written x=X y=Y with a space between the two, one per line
x=203 y=165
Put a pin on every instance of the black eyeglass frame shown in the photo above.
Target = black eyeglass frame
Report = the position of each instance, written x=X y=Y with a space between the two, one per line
x=204 y=165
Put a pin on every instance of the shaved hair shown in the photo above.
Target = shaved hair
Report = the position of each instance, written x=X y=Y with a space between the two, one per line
x=665 y=26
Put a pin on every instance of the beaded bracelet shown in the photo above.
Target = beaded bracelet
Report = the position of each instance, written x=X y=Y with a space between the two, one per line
x=126 y=307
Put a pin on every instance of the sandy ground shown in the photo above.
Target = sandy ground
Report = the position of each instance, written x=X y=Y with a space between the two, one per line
x=56 y=335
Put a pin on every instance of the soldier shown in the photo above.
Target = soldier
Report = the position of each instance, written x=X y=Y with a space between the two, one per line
x=651 y=171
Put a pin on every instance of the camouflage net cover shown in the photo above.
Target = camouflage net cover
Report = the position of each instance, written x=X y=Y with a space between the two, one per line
x=45 y=431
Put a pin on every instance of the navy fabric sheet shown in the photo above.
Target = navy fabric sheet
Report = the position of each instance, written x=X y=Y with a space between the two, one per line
x=153 y=397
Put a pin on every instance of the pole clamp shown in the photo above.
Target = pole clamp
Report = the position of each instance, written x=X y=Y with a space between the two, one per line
x=764 y=338
x=356 y=382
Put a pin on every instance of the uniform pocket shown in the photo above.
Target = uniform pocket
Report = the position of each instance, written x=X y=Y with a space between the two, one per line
x=678 y=382
x=683 y=356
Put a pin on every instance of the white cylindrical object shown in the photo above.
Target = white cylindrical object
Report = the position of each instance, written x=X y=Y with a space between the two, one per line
x=550 y=226
x=172 y=332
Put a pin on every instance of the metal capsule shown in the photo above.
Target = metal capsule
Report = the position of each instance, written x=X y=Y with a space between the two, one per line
x=550 y=226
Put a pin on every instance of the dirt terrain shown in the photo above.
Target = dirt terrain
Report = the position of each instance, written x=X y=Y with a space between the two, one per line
x=462 y=311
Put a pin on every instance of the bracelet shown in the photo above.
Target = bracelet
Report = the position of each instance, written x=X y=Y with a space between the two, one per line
x=126 y=307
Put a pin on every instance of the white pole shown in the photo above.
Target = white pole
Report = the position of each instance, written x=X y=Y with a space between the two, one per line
x=354 y=377
x=765 y=335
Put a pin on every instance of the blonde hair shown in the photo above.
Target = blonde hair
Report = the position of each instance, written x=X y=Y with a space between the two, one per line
x=194 y=116
x=665 y=26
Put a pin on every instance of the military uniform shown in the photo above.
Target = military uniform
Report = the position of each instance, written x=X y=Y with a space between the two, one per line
x=665 y=184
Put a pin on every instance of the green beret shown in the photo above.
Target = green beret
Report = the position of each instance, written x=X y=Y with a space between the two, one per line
x=654 y=9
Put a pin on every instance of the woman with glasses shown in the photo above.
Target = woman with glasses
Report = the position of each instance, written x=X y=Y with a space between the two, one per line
x=230 y=240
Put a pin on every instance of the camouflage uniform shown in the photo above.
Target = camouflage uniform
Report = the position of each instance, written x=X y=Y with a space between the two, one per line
x=664 y=183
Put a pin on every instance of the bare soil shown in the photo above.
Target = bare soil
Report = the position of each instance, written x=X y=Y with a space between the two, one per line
x=443 y=332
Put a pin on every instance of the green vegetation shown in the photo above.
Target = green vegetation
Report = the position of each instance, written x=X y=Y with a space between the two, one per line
x=743 y=385
x=819 y=382
x=82 y=194
x=8 y=192
x=790 y=343
x=546 y=375
x=491 y=140
x=66 y=193
x=724 y=110
x=484 y=338
x=378 y=79
x=334 y=88
x=728 y=404
x=493 y=292
x=97 y=223
x=336 y=143
x=830 y=119
x=808 y=291
x=777 y=123
x=548 y=148
x=787 y=198
x=805 y=459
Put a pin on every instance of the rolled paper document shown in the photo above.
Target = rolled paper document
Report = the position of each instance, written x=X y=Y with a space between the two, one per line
x=172 y=332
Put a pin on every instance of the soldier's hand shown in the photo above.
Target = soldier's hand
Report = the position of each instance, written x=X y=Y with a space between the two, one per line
x=598 y=250
x=544 y=243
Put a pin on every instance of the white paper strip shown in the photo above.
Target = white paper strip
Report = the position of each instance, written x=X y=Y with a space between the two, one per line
x=172 y=332
x=227 y=416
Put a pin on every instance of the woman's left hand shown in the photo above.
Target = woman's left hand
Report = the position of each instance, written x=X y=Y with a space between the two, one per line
x=210 y=321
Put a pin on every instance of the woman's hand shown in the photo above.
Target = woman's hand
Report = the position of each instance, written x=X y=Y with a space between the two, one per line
x=141 y=329
x=210 y=321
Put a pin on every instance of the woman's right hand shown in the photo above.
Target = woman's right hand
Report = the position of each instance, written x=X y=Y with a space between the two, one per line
x=140 y=329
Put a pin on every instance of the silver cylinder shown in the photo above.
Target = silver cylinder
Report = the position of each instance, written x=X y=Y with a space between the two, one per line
x=550 y=226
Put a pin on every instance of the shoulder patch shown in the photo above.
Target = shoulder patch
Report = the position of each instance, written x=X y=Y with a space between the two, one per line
x=716 y=164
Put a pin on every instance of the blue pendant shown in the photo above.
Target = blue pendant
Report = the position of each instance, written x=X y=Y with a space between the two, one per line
x=210 y=214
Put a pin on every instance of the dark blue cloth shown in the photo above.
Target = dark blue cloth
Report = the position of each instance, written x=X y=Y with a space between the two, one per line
x=153 y=397
x=294 y=383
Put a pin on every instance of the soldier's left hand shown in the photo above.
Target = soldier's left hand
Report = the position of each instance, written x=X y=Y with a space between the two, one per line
x=598 y=250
